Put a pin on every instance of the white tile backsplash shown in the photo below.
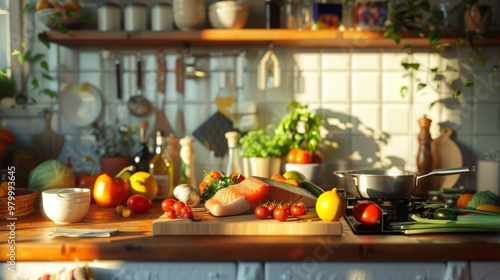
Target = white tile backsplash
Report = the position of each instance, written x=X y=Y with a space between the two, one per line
x=357 y=91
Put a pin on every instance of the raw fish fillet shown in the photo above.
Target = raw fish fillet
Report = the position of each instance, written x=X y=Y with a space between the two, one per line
x=246 y=195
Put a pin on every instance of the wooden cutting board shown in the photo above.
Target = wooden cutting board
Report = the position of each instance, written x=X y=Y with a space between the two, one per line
x=446 y=154
x=246 y=224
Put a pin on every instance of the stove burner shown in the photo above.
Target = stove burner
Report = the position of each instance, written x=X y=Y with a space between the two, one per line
x=396 y=210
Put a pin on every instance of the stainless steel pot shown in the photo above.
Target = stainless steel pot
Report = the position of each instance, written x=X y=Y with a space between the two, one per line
x=388 y=183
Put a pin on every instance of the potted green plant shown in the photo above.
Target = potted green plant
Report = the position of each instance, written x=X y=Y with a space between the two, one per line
x=259 y=154
x=114 y=143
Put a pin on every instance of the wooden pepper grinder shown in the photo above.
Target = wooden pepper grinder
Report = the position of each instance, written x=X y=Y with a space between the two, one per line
x=173 y=152
x=424 y=156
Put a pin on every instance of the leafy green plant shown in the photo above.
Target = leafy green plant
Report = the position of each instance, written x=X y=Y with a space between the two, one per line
x=300 y=129
x=406 y=19
x=259 y=143
x=26 y=55
x=112 y=140
x=7 y=86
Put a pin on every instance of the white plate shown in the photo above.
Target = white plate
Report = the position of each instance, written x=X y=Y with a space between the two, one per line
x=80 y=103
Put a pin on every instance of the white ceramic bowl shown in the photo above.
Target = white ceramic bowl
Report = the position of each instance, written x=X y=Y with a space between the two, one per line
x=65 y=213
x=189 y=14
x=228 y=14
x=65 y=206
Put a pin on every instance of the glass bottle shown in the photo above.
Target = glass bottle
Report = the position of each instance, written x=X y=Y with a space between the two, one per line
x=187 y=161
x=233 y=157
x=142 y=157
x=172 y=150
x=272 y=12
x=162 y=169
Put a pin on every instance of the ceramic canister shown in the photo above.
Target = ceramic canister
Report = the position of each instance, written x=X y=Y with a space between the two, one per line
x=161 y=17
x=109 y=17
x=488 y=173
x=135 y=17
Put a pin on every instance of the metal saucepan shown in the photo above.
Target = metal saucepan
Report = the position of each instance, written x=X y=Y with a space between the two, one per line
x=388 y=183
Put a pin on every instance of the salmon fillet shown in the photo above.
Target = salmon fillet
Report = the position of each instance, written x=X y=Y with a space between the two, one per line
x=248 y=194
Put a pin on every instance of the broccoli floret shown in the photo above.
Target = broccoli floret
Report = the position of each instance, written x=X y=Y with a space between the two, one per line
x=483 y=197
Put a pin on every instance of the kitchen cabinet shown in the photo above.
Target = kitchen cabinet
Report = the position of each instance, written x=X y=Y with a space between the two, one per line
x=243 y=37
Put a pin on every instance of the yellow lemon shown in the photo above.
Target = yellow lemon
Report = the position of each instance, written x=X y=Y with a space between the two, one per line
x=144 y=184
x=331 y=206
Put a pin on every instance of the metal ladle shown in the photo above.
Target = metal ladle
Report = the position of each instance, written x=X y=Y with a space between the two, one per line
x=138 y=105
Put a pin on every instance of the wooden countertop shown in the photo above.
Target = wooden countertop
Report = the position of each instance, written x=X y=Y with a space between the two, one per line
x=33 y=242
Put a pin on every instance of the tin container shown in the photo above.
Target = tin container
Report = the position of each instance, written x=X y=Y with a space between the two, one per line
x=161 y=17
x=109 y=17
x=135 y=17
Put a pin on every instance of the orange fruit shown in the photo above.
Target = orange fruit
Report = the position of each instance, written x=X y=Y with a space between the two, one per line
x=463 y=200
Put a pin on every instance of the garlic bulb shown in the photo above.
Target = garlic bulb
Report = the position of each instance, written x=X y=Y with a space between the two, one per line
x=187 y=194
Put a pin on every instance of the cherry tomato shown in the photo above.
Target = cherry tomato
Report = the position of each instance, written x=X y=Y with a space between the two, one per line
x=167 y=203
x=261 y=212
x=293 y=182
x=185 y=209
x=202 y=186
x=270 y=208
x=367 y=212
x=188 y=214
x=298 y=156
x=297 y=210
x=178 y=205
x=287 y=208
x=278 y=177
x=139 y=203
x=280 y=214
x=171 y=214
x=238 y=177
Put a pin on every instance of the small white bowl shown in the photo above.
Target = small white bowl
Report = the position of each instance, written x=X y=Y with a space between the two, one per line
x=312 y=171
x=228 y=14
x=66 y=205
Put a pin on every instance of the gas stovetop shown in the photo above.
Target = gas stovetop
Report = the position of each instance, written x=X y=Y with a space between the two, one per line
x=398 y=210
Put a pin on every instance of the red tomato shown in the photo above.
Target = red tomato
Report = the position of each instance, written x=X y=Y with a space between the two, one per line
x=261 y=212
x=139 y=203
x=367 y=212
x=270 y=208
x=171 y=214
x=188 y=214
x=167 y=203
x=238 y=177
x=178 y=205
x=202 y=186
x=298 y=156
x=209 y=178
x=109 y=191
x=185 y=209
x=297 y=210
x=280 y=214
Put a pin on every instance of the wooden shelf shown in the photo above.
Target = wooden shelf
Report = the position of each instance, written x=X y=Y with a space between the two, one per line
x=244 y=37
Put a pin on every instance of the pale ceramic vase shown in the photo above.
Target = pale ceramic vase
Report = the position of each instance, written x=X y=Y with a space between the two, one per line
x=263 y=167
x=189 y=14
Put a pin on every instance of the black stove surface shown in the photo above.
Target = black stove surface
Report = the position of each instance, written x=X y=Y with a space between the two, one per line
x=398 y=210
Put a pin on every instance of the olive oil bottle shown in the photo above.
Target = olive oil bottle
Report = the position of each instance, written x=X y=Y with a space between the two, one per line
x=162 y=169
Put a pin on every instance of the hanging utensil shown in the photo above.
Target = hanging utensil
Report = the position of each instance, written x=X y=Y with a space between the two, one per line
x=179 y=85
x=161 y=122
x=48 y=142
x=269 y=70
x=138 y=105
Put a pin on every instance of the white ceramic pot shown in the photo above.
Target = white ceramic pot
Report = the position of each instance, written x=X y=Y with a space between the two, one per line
x=263 y=167
x=189 y=14
x=312 y=171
